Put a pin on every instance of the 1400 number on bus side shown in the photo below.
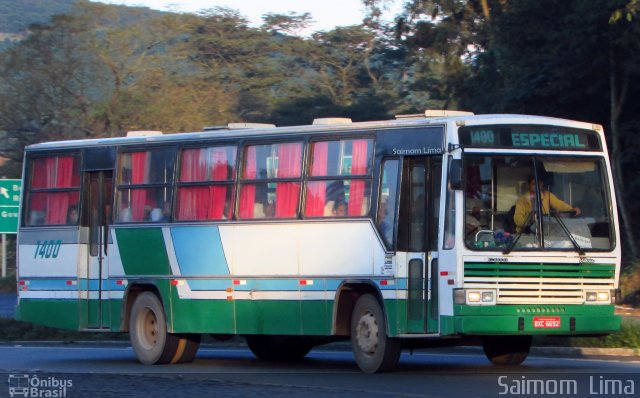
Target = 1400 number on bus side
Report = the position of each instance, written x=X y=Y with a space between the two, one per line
x=47 y=249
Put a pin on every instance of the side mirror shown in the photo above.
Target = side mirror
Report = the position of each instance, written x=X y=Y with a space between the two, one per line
x=456 y=179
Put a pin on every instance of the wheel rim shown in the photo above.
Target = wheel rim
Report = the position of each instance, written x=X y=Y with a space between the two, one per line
x=148 y=329
x=367 y=333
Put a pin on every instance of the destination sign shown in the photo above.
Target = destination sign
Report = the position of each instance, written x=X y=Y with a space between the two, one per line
x=529 y=136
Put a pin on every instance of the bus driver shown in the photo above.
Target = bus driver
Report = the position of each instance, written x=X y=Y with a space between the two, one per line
x=523 y=216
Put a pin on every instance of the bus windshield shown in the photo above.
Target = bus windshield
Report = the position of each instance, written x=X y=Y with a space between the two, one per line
x=537 y=203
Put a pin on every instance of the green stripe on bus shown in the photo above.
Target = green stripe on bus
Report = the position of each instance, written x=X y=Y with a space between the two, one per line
x=534 y=309
x=142 y=251
x=581 y=267
x=509 y=325
x=62 y=314
x=592 y=274
x=547 y=270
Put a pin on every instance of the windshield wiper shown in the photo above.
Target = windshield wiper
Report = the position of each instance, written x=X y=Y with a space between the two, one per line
x=517 y=238
x=564 y=228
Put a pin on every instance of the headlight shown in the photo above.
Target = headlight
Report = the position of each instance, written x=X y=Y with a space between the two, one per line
x=474 y=297
x=487 y=297
x=598 y=297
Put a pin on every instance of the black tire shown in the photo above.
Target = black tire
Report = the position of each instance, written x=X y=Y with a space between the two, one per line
x=507 y=350
x=372 y=349
x=148 y=331
x=187 y=349
x=279 y=348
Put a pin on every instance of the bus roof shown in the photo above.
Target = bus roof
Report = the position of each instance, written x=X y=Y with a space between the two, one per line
x=407 y=122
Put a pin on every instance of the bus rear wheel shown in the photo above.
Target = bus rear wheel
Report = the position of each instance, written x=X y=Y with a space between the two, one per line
x=507 y=350
x=148 y=331
x=187 y=349
x=277 y=348
x=372 y=349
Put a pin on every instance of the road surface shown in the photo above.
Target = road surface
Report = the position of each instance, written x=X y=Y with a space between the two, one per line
x=110 y=370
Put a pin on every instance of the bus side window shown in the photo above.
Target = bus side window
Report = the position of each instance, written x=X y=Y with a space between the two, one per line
x=53 y=189
x=450 y=216
x=339 y=179
x=205 y=184
x=270 y=181
x=387 y=199
x=144 y=184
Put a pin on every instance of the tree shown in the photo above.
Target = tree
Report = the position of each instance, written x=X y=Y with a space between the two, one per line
x=443 y=38
x=45 y=87
x=128 y=47
x=291 y=23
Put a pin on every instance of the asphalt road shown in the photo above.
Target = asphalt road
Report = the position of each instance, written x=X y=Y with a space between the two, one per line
x=106 y=370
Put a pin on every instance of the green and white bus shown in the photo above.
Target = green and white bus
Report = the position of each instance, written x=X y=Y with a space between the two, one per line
x=393 y=234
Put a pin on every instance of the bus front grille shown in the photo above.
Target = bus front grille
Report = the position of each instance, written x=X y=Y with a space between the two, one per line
x=539 y=283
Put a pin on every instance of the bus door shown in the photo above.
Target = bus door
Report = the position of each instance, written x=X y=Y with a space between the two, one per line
x=97 y=219
x=417 y=236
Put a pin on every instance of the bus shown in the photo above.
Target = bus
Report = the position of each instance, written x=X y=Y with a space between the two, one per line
x=428 y=230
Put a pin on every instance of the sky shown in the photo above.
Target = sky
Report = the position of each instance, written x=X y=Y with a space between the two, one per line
x=327 y=13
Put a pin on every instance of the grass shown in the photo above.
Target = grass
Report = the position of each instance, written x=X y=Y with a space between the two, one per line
x=630 y=285
x=627 y=337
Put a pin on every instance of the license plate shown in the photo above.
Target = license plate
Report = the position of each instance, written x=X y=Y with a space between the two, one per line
x=546 y=322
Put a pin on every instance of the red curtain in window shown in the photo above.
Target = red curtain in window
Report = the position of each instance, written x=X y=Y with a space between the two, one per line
x=138 y=176
x=317 y=191
x=40 y=173
x=248 y=192
x=50 y=172
x=287 y=193
x=59 y=175
x=187 y=206
x=192 y=168
x=39 y=178
x=358 y=167
x=218 y=193
x=65 y=176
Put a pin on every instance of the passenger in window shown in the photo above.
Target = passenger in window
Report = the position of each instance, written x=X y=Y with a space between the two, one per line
x=386 y=229
x=335 y=196
x=269 y=209
x=156 y=214
x=147 y=212
x=126 y=215
x=36 y=217
x=339 y=208
x=472 y=221
x=72 y=215
x=524 y=215
x=166 y=211
x=335 y=191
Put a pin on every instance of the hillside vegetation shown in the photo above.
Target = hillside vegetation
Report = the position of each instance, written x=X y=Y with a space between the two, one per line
x=93 y=70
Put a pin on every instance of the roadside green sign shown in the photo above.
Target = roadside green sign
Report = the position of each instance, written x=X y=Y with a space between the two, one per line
x=9 y=206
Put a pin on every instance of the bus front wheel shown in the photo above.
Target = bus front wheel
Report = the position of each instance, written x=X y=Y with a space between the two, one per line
x=372 y=349
x=148 y=331
x=507 y=350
